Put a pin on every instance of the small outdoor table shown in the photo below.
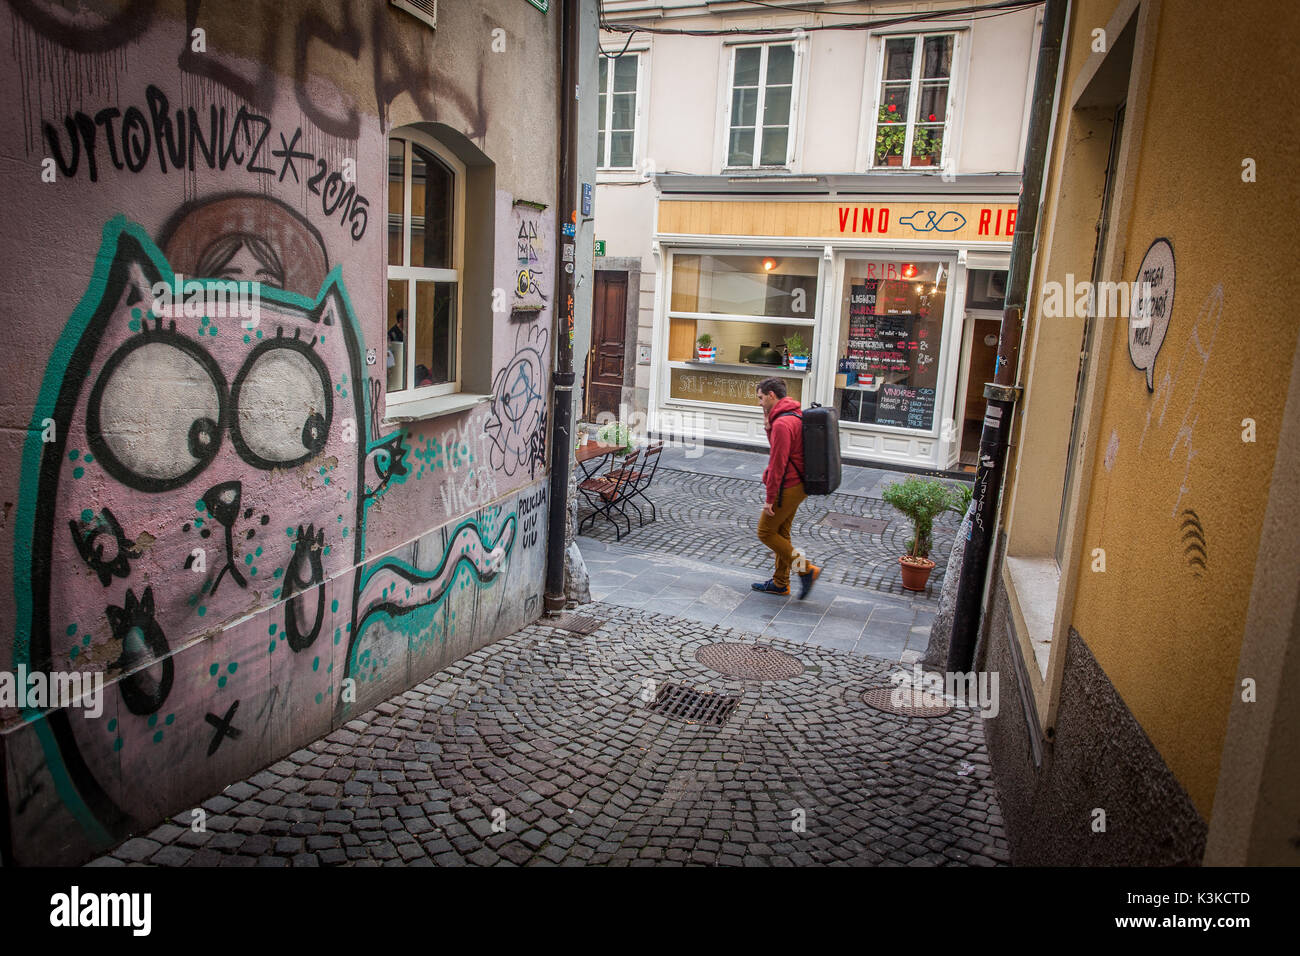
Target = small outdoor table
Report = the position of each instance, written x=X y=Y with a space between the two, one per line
x=594 y=452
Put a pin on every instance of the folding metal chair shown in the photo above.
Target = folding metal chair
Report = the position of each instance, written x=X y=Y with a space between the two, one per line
x=610 y=491
x=641 y=480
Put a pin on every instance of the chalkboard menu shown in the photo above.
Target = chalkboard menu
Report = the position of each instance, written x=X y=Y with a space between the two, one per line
x=905 y=407
x=900 y=349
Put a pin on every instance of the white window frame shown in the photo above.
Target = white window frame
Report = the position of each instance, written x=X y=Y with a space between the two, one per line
x=913 y=98
x=796 y=90
x=603 y=143
x=406 y=271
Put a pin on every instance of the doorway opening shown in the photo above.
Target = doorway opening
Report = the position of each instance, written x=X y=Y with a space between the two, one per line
x=604 y=374
x=985 y=296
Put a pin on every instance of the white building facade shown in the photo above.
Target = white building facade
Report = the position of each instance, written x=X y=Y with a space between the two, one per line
x=848 y=195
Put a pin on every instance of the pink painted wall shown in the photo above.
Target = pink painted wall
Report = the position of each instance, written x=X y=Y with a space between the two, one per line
x=334 y=547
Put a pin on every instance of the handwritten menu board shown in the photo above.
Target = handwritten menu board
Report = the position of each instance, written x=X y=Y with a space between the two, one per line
x=905 y=407
x=894 y=338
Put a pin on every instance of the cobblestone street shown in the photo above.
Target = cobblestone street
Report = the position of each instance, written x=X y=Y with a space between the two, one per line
x=707 y=509
x=700 y=555
x=548 y=735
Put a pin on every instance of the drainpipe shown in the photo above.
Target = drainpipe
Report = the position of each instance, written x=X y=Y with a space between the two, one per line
x=1003 y=392
x=563 y=377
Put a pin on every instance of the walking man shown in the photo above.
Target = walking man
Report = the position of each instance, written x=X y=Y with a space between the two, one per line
x=784 y=482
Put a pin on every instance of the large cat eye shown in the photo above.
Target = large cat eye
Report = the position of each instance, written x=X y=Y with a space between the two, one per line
x=157 y=410
x=281 y=404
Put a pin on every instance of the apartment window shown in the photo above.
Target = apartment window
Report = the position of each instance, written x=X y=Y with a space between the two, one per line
x=912 y=118
x=760 y=117
x=616 y=106
x=425 y=258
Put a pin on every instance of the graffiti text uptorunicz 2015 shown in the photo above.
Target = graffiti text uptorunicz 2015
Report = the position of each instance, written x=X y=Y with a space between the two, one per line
x=39 y=690
x=130 y=137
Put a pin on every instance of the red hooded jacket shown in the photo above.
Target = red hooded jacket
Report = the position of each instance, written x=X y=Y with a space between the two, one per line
x=785 y=435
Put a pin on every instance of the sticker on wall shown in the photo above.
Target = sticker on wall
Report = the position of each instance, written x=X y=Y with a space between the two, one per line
x=1151 y=307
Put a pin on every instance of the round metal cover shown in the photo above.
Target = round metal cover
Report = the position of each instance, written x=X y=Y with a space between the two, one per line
x=749 y=661
x=918 y=703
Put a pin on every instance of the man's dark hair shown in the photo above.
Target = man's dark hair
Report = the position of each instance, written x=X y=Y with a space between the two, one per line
x=773 y=386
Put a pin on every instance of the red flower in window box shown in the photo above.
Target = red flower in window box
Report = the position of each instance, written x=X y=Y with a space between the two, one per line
x=931 y=117
x=893 y=108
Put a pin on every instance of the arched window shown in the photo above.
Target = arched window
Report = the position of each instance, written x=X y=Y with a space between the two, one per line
x=426 y=216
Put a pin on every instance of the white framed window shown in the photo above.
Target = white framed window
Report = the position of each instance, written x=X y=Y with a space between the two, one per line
x=426 y=221
x=761 y=105
x=915 y=98
x=617 y=108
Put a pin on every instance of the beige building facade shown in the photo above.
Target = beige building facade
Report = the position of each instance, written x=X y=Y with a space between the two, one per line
x=853 y=188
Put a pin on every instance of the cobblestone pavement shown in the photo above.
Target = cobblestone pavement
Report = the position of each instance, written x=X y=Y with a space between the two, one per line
x=550 y=727
x=714 y=518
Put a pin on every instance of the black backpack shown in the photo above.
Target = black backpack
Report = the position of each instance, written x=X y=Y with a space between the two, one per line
x=821 y=449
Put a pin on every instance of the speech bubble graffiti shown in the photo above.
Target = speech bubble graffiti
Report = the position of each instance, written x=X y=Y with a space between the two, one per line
x=1151 y=307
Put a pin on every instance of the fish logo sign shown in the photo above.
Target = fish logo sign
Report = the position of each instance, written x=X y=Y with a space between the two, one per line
x=927 y=220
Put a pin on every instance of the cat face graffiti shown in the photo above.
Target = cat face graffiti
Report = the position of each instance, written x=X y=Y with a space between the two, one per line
x=199 y=470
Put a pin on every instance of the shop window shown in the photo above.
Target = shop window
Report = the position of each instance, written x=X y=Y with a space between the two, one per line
x=425 y=220
x=616 y=109
x=744 y=304
x=890 y=338
x=761 y=105
x=912 y=114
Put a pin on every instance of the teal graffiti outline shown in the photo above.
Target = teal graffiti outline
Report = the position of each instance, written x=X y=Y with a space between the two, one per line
x=371 y=615
x=56 y=370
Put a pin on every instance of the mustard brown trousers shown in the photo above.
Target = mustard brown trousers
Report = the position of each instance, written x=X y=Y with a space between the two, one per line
x=774 y=531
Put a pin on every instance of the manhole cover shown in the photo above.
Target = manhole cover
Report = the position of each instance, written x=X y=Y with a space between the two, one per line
x=749 y=661
x=846 y=522
x=674 y=700
x=577 y=623
x=913 y=703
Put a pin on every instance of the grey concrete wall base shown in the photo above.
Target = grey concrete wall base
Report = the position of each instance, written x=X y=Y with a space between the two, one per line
x=1100 y=759
x=936 y=652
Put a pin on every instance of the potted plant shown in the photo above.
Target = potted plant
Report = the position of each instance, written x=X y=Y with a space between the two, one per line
x=926 y=146
x=616 y=434
x=891 y=133
x=920 y=500
x=798 y=355
x=705 y=350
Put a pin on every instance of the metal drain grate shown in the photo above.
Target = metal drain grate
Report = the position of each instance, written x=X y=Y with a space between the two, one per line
x=846 y=522
x=749 y=661
x=674 y=700
x=577 y=623
x=918 y=703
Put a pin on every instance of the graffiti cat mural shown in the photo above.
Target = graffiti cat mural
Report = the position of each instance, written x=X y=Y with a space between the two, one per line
x=190 y=477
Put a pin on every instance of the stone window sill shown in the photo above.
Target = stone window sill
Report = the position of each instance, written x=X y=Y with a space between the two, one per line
x=1033 y=583
x=419 y=409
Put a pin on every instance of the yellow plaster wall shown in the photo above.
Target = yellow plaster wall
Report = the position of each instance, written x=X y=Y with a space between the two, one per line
x=1169 y=640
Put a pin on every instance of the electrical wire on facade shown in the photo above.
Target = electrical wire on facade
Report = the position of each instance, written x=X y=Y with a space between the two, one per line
x=972 y=12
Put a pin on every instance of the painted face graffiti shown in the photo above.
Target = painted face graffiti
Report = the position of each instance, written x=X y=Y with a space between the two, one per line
x=172 y=499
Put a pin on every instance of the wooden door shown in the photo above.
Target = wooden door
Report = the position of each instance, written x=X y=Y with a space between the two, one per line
x=605 y=363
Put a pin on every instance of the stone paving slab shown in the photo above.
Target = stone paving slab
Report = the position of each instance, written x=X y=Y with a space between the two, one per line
x=540 y=750
x=852 y=619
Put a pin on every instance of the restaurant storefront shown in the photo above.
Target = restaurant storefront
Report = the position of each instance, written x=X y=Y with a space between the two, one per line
x=890 y=300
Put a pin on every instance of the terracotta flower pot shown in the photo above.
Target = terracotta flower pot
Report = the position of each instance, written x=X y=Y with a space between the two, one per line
x=922 y=160
x=893 y=160
x=915 y=575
